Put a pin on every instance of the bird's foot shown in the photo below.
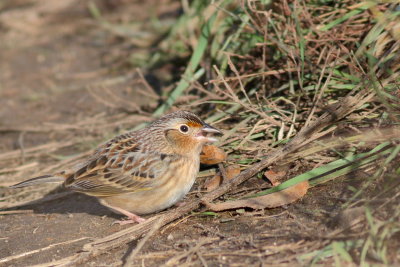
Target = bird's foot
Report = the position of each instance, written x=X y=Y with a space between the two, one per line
x=180 y=204
x=132 y=218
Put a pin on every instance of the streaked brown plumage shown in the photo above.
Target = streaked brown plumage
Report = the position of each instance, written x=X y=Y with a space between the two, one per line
x=141 y=171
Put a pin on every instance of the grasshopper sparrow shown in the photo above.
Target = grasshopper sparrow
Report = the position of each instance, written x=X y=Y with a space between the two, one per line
x=144 y=171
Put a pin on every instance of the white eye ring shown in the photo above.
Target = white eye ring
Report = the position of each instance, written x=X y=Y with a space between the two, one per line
x=184 y=128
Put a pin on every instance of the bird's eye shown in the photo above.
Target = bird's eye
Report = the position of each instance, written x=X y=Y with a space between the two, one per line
x=184 y=129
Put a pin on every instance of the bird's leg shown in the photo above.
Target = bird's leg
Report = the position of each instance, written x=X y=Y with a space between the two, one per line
x=132 y=218
x=180 y=204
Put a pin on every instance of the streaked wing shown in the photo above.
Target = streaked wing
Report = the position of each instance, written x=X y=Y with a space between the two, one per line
x=117 y=167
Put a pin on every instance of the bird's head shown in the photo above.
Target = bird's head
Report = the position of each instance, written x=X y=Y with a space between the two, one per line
x=185 y=132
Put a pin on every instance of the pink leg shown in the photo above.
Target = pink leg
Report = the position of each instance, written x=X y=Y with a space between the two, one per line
x=179 y=204
x=132 y=218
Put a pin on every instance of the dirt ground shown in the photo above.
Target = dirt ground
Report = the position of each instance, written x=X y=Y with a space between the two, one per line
x=54 y=55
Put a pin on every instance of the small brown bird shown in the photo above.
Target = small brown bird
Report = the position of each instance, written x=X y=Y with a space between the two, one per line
x=144 y=171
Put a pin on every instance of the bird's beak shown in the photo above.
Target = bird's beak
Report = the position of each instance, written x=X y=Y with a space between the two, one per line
x=206 y=131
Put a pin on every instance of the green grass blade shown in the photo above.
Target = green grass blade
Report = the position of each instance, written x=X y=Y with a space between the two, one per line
x=333 y=169
x=328 y=251
x=189 y=74
x=340 y=250
x=347 y=16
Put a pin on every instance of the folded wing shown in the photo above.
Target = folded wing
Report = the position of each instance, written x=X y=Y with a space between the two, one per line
x=117 y=168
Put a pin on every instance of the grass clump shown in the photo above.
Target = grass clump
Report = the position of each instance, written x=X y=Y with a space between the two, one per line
x=266 y=69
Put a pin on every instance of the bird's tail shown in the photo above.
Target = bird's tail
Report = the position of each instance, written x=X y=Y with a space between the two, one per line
x=40 y=180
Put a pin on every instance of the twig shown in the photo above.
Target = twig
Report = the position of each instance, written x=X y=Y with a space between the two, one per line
x=149 y=90
x=231 y=94
x=174 y=261
x=131 y=257
x=233 y=68
x=265 y=73
x=223 y=171
x=202 y=260
x=317 y=97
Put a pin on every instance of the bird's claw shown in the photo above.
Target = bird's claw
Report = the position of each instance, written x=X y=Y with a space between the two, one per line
x=130 y=220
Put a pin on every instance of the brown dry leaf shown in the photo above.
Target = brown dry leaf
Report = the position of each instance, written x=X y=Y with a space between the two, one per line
x=212 y=155
x=275 y=177
x=277 y=199
x=213 y=183
x=231 y=171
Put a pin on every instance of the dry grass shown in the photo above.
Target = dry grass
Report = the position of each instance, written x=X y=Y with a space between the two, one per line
x=276 y=76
